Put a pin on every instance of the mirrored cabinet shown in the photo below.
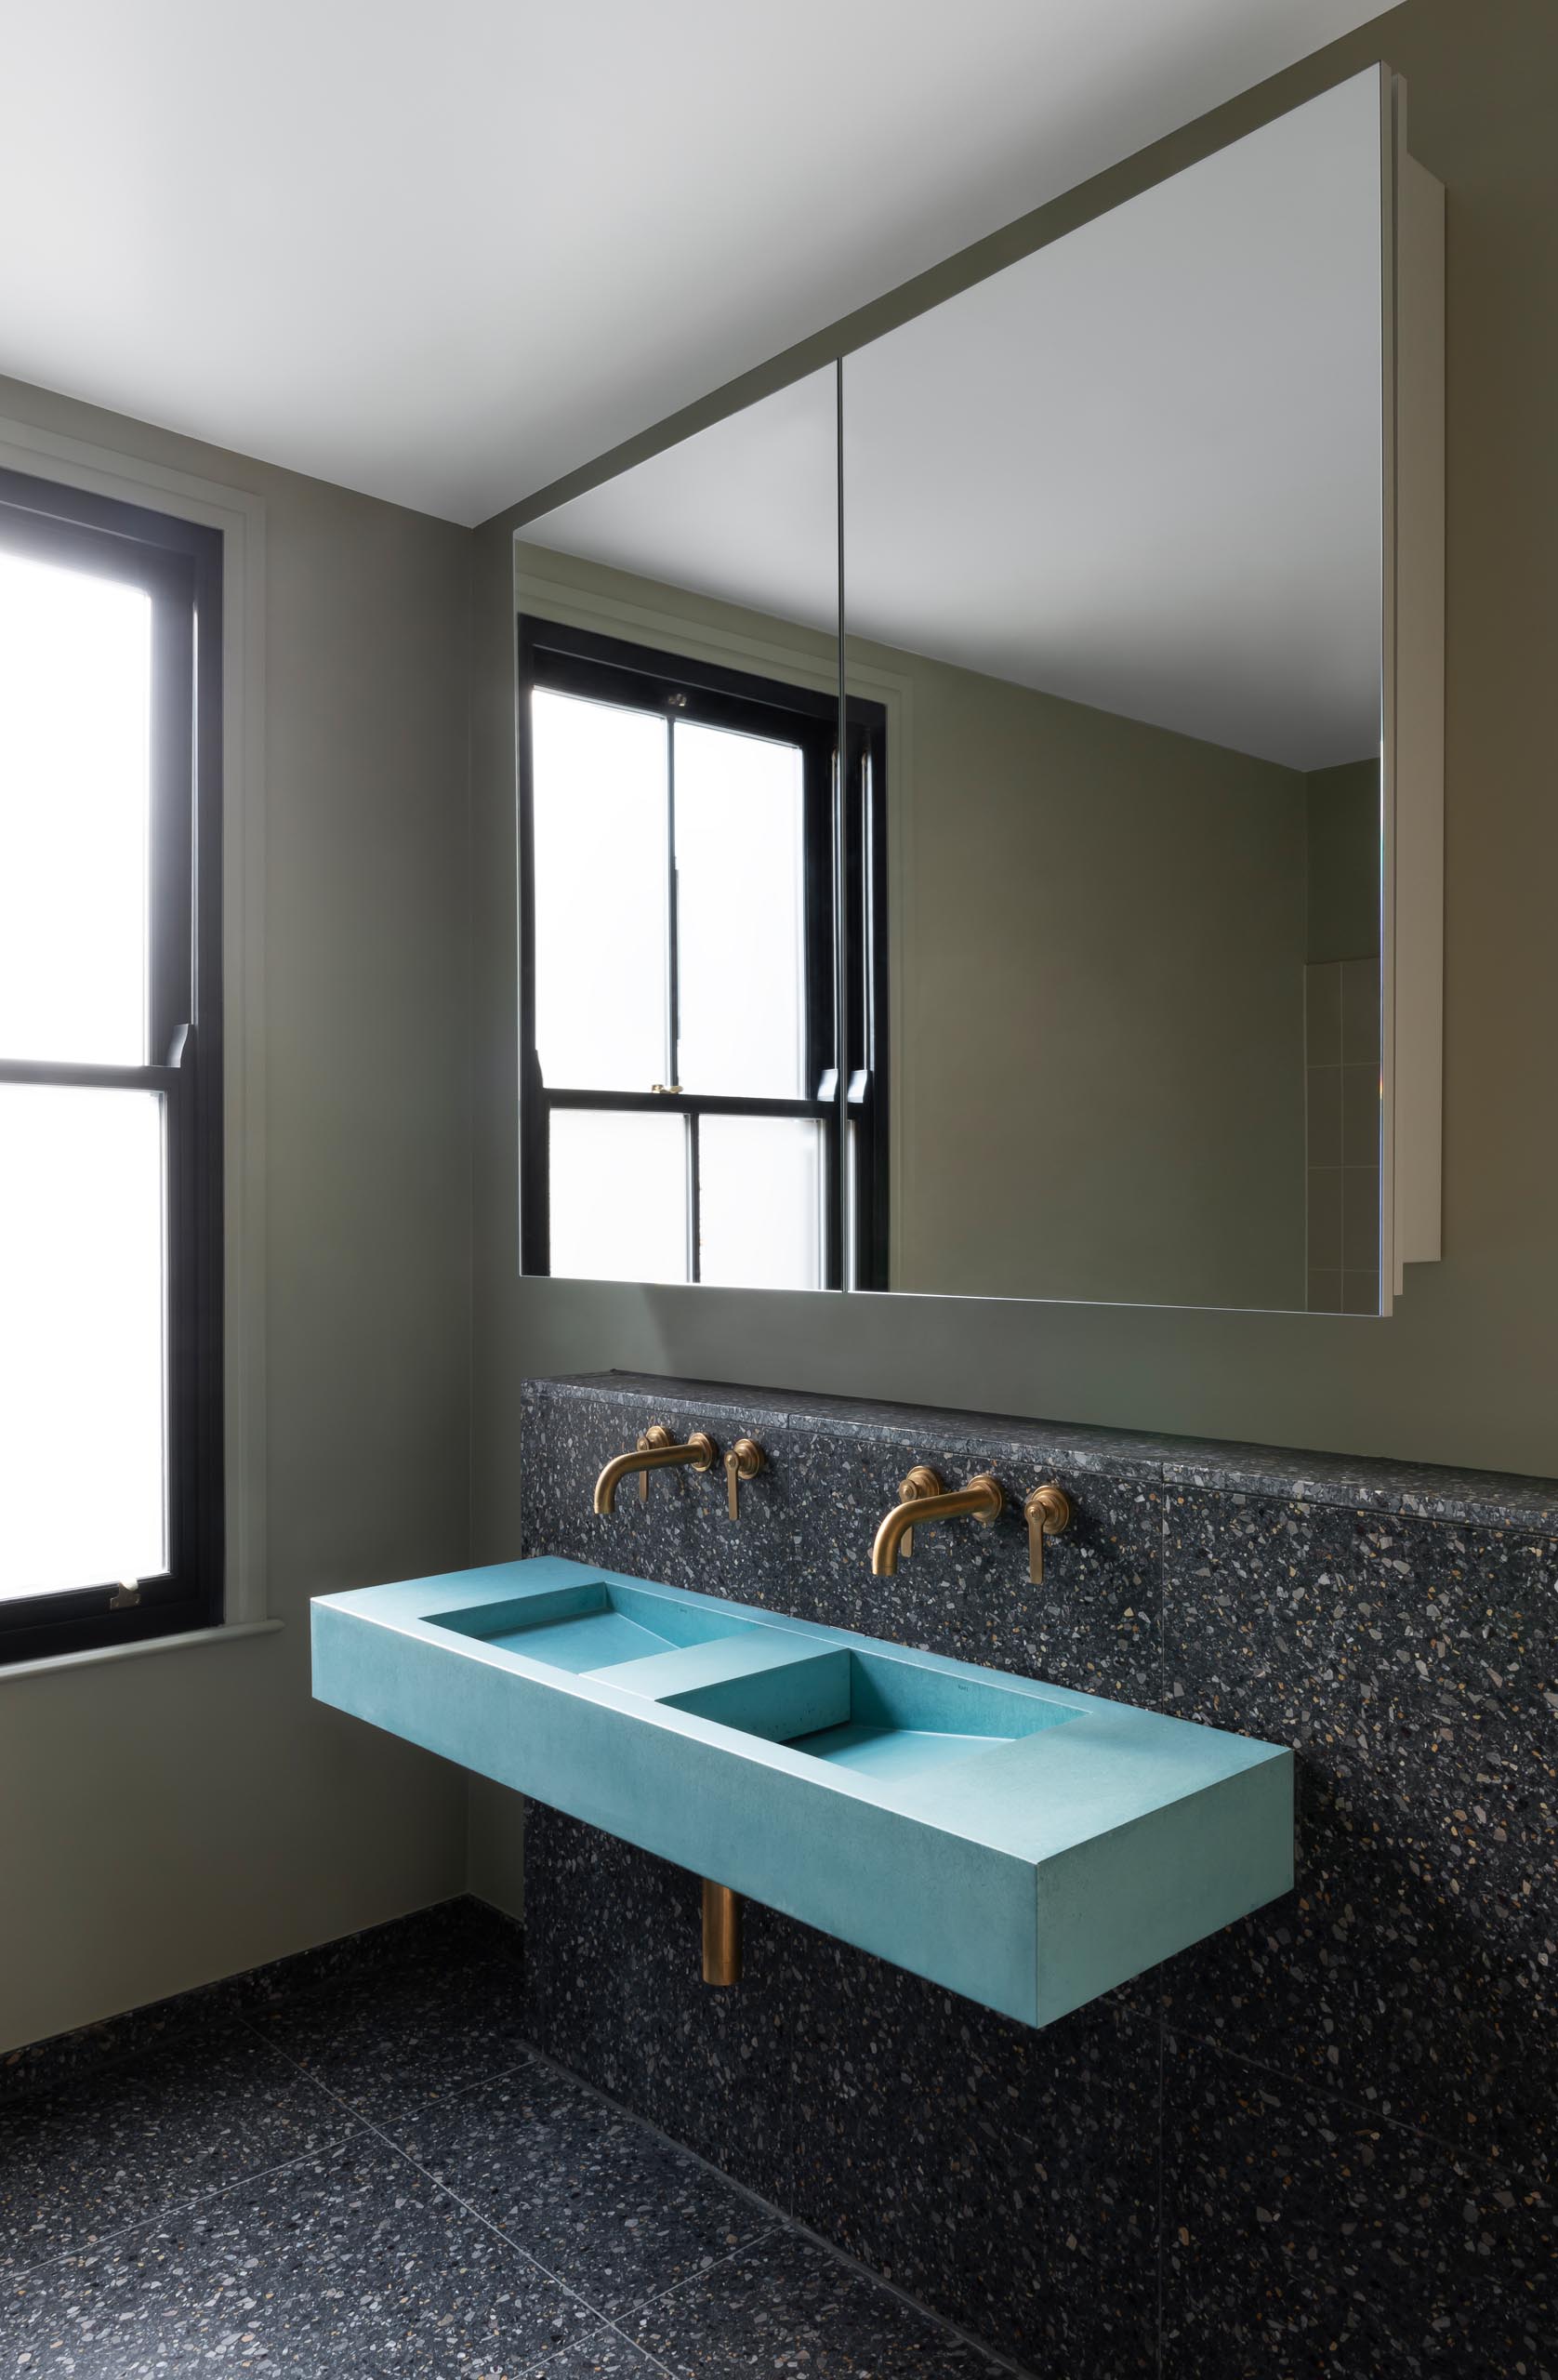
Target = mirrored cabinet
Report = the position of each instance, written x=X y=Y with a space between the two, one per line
x=979 y=806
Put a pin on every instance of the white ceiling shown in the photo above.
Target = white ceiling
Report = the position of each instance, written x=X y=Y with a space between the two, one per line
x=443 y=254
x=1141 y=469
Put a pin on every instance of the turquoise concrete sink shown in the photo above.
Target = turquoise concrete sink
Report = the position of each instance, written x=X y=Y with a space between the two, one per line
x=1023 y=1844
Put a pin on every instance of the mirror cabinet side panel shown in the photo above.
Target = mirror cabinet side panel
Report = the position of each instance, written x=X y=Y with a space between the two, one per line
x=1418 y=757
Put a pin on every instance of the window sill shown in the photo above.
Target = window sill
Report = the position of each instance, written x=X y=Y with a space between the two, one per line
x=226 y=1634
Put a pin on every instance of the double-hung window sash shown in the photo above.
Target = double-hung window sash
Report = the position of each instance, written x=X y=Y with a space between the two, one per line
x=111 y=1429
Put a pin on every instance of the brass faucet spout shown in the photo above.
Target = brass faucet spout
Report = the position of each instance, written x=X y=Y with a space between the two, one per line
x=983 y=1498
x=655 y=1451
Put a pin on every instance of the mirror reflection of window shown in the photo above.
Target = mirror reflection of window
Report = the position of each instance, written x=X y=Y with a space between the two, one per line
x=677 y=975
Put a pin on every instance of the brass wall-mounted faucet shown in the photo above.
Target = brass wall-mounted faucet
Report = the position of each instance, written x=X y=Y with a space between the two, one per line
x=656 y=1450
x=745 y=1461
x=1047 y=1512
x=923 y=1500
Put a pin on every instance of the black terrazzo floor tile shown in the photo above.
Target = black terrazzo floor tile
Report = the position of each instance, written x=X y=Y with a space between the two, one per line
x=449 y=1933
x=352 y=2265
x=151 y=2134
x=1007 y=2177
x=612 y=2210
x=709 y=2067
x=389 y=2042
x=604 y=2355
x=786 y=2306
x=1412 y=1667
x=1305 y=2242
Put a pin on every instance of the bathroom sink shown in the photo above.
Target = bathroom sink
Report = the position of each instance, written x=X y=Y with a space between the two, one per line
x=1022 y=1844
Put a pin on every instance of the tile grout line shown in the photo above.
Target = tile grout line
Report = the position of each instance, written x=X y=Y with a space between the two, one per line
x=598 y=2316
x=174 y=2208
x=781 y=2221
x=1331 y=2095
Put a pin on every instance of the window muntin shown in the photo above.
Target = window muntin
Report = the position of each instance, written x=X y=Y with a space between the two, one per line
x=109 y=1071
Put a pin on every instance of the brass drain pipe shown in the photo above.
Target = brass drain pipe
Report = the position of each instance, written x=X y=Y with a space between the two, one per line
x=722 y=1935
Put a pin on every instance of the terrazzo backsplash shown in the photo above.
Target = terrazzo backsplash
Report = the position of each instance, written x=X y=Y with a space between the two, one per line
x=1323 y=2142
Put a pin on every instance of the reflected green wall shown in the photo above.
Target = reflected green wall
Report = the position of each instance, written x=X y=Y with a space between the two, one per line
x=1097 y=937
x=1343 y=861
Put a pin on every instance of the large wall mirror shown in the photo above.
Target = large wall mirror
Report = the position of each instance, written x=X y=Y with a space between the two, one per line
x=1031 y=922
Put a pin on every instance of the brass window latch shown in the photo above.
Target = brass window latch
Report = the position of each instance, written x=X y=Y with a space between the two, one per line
x=745 y=1461
x=1047 y=1512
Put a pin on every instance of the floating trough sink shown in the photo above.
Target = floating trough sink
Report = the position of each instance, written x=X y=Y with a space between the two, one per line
x=1023 y=1844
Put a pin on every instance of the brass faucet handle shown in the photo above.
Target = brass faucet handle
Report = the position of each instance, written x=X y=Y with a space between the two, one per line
x=703 y=1454
x=745 y=1461
x=1047 y=1512
x=655 y=1436
x=922 y=1481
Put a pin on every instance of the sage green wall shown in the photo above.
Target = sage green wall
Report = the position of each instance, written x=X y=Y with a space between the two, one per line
x=180 y=1814
x=1343 y=861
x=1097 y=935
x=1463 y=1370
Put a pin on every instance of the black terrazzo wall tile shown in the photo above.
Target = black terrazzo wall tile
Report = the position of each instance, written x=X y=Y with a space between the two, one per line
x=616 y=1991
x=1006 y=2175
x=1304 y=2238
x=803 y=1542
x=1347 y=2102
x=1412 y=1667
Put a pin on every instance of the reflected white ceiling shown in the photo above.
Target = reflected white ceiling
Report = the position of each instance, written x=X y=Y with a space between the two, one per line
x=444 y=255
x=1141 y=469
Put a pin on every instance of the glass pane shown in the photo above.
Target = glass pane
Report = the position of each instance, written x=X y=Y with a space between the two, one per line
x=740 y=891
x=1113 y=524
x=599 y=834
x=618 y=1195
x=81 y=1338
x=75 y=683
x=760 y=1184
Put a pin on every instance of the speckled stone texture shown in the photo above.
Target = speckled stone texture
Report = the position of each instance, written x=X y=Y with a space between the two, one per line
x=1307 y=2240
x=1007 y=2176
x=803 y=1541
x=1319 y=2143
x=388 y=2197
x=616 y=1993
x=1413 y=1666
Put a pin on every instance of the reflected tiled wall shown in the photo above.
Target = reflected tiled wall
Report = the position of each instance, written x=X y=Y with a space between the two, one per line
x=1322 y=2143
x=1341 y=1111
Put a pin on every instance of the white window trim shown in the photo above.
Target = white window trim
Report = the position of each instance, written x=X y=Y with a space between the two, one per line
x=240 y=517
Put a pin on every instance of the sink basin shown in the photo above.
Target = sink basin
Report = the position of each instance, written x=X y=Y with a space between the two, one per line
x=1027 y=1845
x=592 y=1625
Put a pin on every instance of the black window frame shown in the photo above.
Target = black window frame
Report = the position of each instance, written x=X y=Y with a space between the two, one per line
x=180 y=565
x=844 y=848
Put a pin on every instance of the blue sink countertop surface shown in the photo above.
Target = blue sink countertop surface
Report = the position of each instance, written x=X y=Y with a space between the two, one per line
x=1022 y=1844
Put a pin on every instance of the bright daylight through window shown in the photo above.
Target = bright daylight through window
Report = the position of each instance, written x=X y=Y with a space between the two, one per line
x=110 y=1236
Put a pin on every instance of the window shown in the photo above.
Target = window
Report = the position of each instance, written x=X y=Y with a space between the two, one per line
x=679 y=959
x=111 y=1434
